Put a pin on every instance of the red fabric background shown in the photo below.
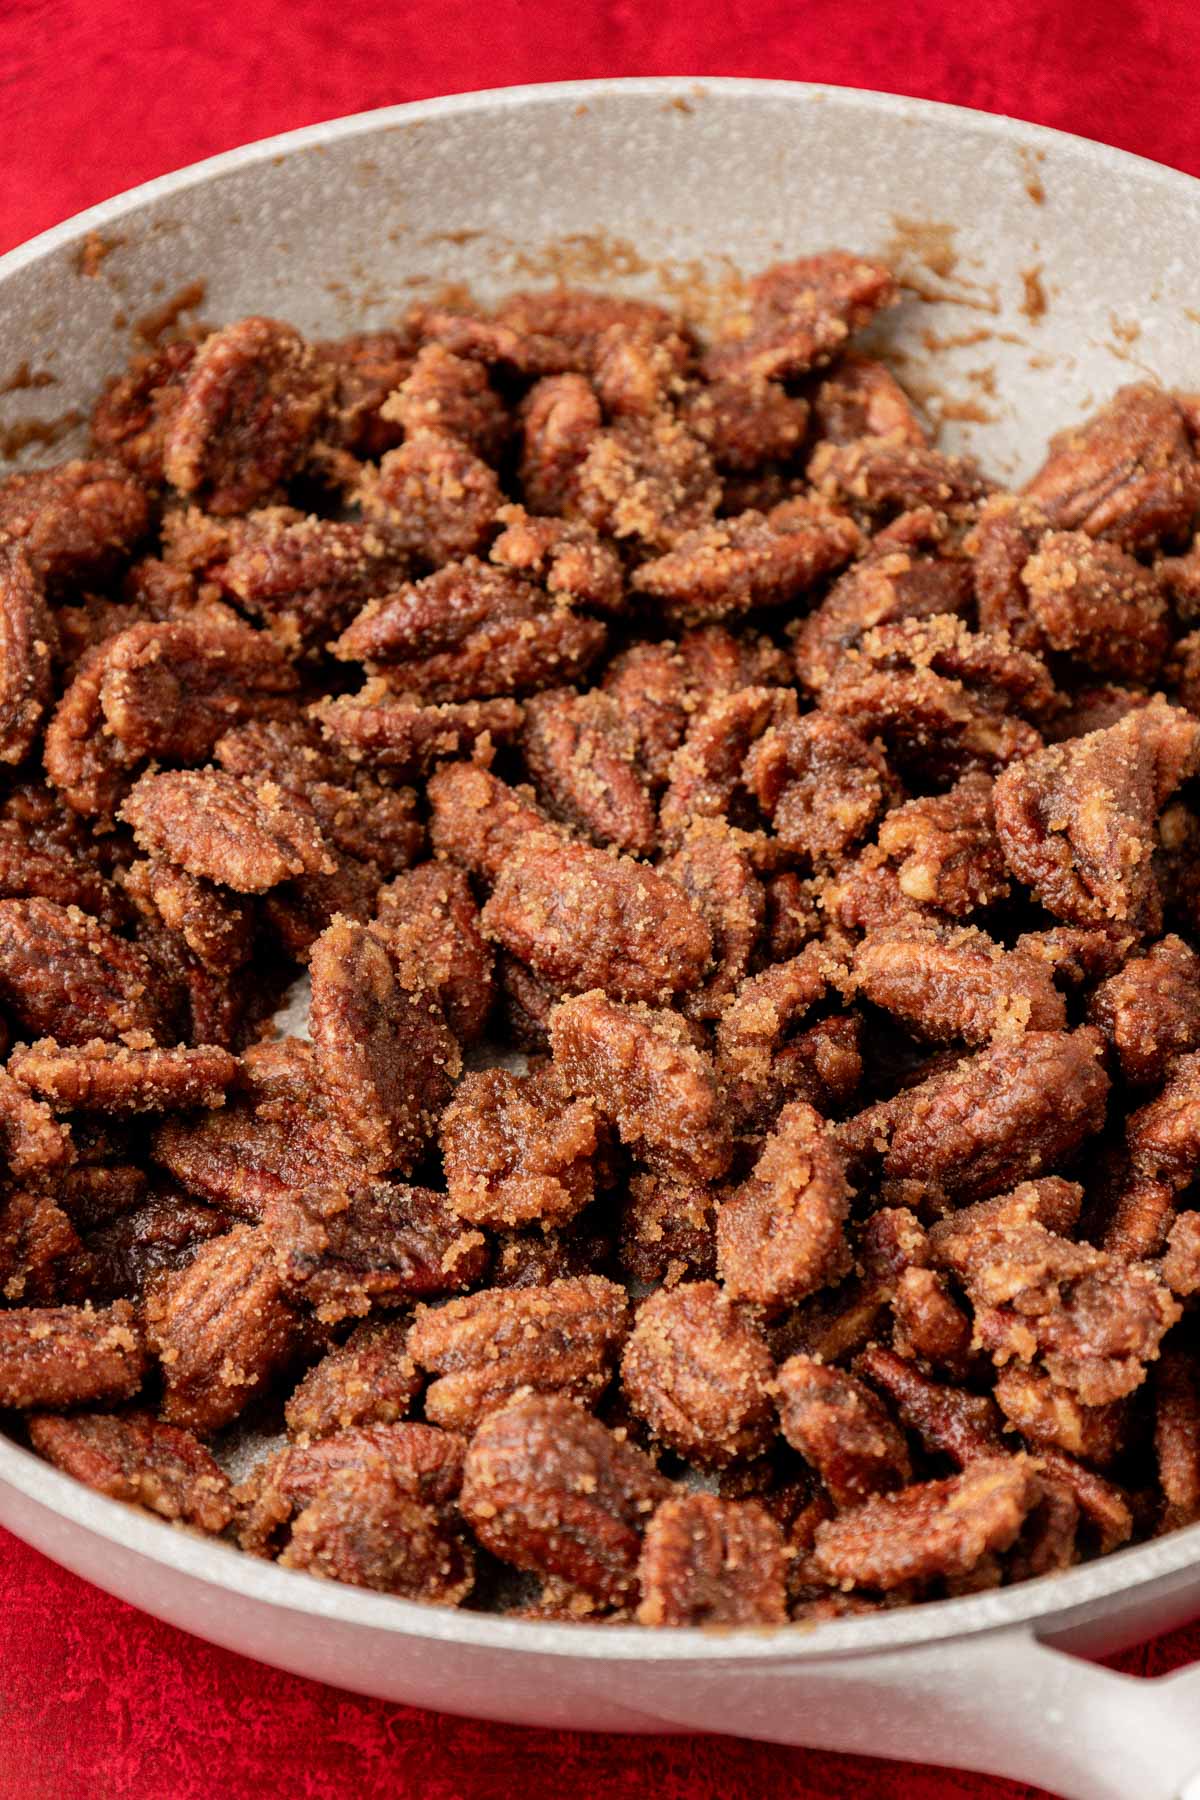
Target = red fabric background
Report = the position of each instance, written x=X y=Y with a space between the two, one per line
x=96 y=1700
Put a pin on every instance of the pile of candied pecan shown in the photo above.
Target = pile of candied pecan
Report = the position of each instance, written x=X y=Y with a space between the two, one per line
x=820 y=822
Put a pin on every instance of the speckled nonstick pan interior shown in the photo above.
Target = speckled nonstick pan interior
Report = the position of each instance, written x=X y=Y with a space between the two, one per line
x=1049 y=271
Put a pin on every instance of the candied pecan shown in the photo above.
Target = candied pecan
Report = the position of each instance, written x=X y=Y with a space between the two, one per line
x=468 y=631
x=887 y=474
x=1177 y=1438
x=1076 y=821
x=565 y=556
x=223 y=829
x=381 y=1245
x=635 y=370
x=547 y=1488
x=957 y=986
x=1005 y=536
x=717 y=876
x=46 y=853
x=363 y=1528
x=93 y=1193
x=386 y=1060
x=560 y=418
x=861 y=398
x=75 y=521
x=436 y=498
x=942 y=698
x=735 y=565
x=33 y=1142
x=424 y=1462
x=699 y=1374
x=1045 y=1413
x=561 y=1338
x=88 y=765
x=949 y=1421
x=450 y=395
x=1150 y=1010
x=1102 y=1505
x=516 y=1151
x=121 y=1078
x=27 y=639
x=946 y=848
x=646 y=479
x=582 y=752
x=400 y=734
x=252 y=401
x=221 y=1330
x=582 y=919
x=477 y=820
x=643 y=1071
x=1181 y=1264
x=130 y=419
x=171 y=690
x=215 y=927
x=800 y=314
x=428 y=922
x=305 y=578
x=42 y=1260
x=707 y=769
x=842 y=1429
x=820 y=784
x=1019 y=1106
x=235 y=1159
x=754 y=1024
x=141 y=1460
x=934 y=1528
x=883 y=589
x=745 y=422
x=64 y=975
x=369 y=1380
x=1094 y=600
x=668 y=1232
x=130 y=1250
x=1128 y=473
x=576 y=320
x=366 y=367
x=792 y=918
x=1182 y=673
x=706 y=1561
x=927 y=1322
x=781 y=1235
x=66 y=1356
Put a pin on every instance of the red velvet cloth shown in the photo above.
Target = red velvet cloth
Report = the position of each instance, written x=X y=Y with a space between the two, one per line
x=96 y=1700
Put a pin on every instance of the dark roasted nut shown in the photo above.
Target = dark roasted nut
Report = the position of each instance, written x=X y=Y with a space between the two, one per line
x=67 y=1356
x=131 y=1249
x=251 y=402
x=841 y=1428
x=386 y=1060
x=118 y=1078
x=862 y=398
x=547 y=1488
x=699 y=1374
x=935 y=1528
x=1177 y=1438
x=582 y=752
x=1128 y=473
x=140 y=1460
x=517 y=1150
x=668 y=1232
x=380 y=1245
x=1150 y=1010
x=130 y=418
x=582 y=920
x=820 y=784
x=715 y=872
x=65 y=975
x=366 y=367
x=27 y=638
x=643 y=1072
x=215 y=927
x=221 y=1330
x=363 y=1528
x=558 y=1339
x=369 y=1380
x=42 y=1260
x=781 y=1235
x=949 y=1421
x=706 y=1561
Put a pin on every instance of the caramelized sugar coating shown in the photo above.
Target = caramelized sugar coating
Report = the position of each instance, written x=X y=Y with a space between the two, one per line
x=745 y=874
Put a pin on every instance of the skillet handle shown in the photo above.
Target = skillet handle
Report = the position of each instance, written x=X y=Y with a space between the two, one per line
x=1004 y=1703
